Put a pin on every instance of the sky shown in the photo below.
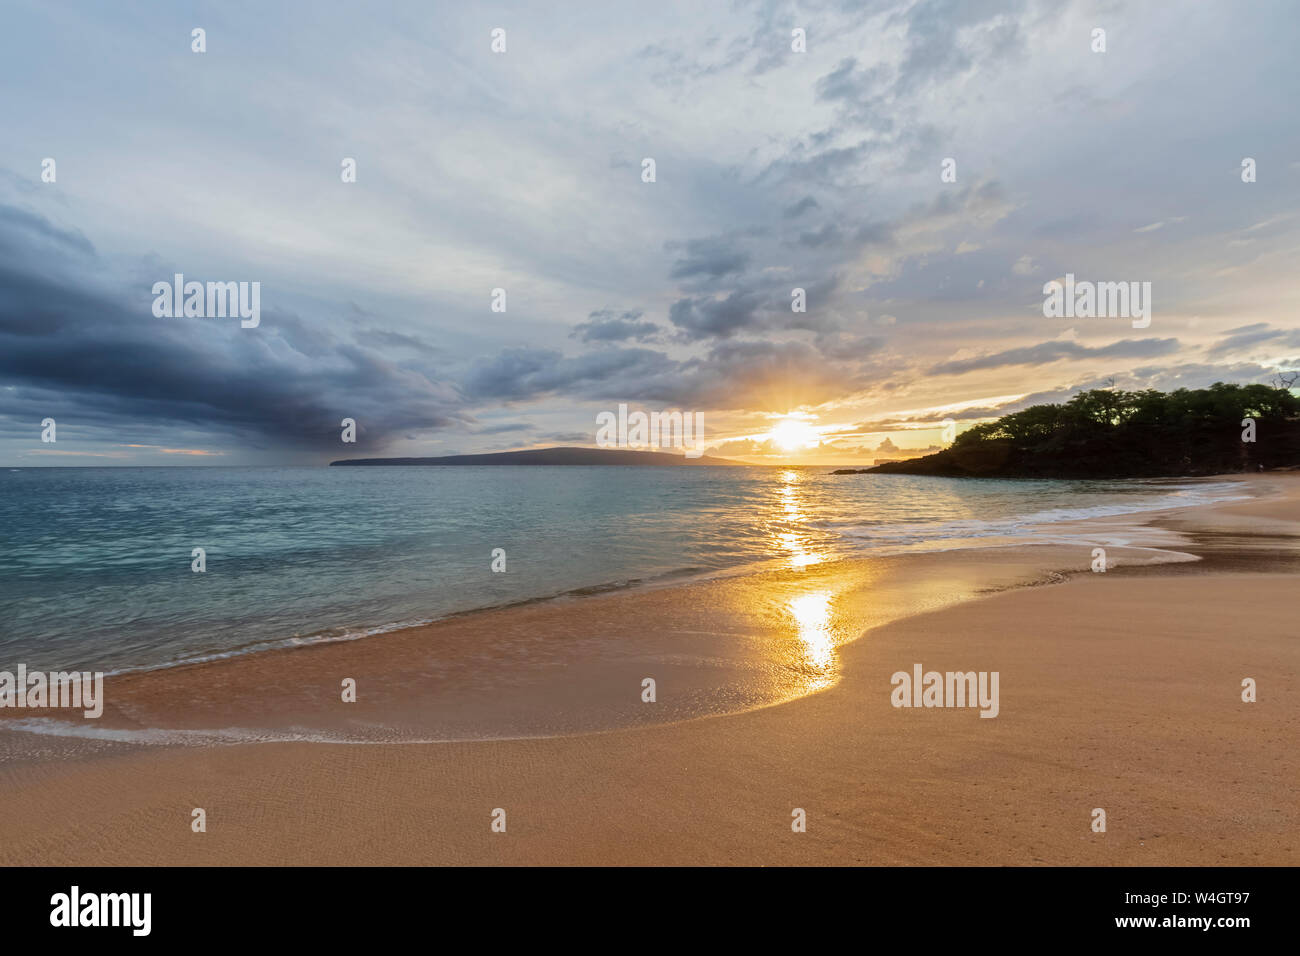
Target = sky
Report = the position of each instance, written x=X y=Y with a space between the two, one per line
x=523 y=171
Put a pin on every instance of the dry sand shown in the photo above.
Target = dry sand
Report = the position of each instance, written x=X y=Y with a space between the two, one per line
x=1119 y=690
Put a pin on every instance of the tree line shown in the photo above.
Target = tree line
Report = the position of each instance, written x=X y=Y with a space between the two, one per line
x=1108 y=433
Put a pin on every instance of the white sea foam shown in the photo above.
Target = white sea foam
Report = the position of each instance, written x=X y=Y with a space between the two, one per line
x=882 y=536
x=230 y=736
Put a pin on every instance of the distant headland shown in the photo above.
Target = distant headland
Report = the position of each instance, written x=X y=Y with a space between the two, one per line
x=553 y=456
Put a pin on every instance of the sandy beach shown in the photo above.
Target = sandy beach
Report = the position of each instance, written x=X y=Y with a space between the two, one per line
x=1120 y=691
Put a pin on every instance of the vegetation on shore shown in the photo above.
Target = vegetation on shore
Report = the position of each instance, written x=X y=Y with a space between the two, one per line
x=1109 y=433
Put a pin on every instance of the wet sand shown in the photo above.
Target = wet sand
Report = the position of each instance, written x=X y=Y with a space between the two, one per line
x=1119 y=691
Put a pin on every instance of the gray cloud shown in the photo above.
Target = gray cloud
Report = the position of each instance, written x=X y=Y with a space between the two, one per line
x=705 y=317
x=395 y=340
x=90 y=357
x=1246 y=336
x=1047 y=352
x=799 y=208
x=606 y=326
x=713 y=257
x=519 y=374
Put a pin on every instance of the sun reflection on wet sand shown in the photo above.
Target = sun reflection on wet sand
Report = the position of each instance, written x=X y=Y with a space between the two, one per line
x=812 y=616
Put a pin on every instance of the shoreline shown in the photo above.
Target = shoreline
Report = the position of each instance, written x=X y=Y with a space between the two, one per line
x=758 y=652
x=1119 y=690
x=149 y=722
x=1042 y=533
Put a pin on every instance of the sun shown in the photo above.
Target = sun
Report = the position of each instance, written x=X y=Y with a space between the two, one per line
x=793 y=433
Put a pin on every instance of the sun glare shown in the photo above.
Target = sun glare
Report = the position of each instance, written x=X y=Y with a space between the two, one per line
x=792 y=433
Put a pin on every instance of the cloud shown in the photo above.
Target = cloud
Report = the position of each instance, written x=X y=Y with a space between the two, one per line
x=945 y=38
x=1246 y=336
x=802 y=206
x=805 y=165
x=606 y=326
x=35 y=232
x=97 y=359
x=395 y=340
x=1055 y=351
x=827 y=234
x=848 y=346
x=503 y=428
x=707 y=317
x=714 y=257
x=762 y=304
x=1024 y=266
x=858 y=91
x=524 y=373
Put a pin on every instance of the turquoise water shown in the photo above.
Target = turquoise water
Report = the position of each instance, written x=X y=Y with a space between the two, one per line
x=95 y=563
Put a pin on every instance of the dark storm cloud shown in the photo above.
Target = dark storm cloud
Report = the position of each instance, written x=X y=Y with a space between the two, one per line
x=27 y=231
x=104 y=358
x=100 y=360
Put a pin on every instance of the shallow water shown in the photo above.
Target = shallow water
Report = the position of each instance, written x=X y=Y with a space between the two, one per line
x=95 y=563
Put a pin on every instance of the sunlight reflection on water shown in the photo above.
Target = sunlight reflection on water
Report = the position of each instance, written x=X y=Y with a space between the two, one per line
x=796 y=545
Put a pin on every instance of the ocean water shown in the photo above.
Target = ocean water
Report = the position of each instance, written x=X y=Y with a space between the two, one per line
x=95 y=563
